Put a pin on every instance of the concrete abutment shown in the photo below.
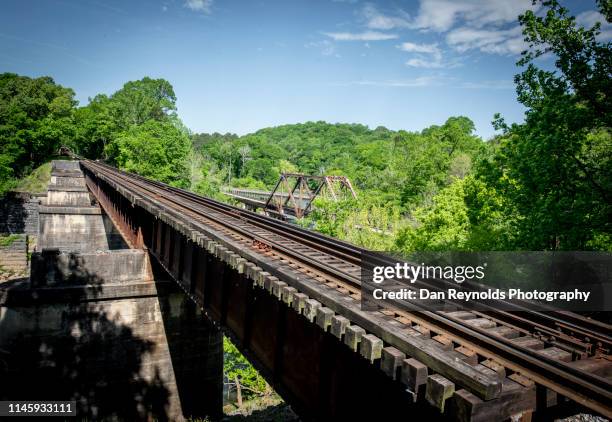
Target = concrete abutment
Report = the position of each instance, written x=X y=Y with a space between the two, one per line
x=99 y=324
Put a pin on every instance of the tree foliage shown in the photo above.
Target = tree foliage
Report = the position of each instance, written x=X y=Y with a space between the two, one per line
x=135 y=128
x=395 y=173
x=237 y=367
x=542 y=184
x=380 y=161
x=157 y=150
x=556 y=168
x=35 y=119
x=95 y=128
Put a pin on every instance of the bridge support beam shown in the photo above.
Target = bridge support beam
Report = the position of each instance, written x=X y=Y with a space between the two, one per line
x=323 y=365
x=196 y=353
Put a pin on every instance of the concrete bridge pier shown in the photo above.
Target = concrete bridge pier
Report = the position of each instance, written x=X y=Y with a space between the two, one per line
x=195 y=348
x=100 y=324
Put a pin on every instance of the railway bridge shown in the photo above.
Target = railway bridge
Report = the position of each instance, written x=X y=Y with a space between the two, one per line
x=293 y=195
x=290 y=300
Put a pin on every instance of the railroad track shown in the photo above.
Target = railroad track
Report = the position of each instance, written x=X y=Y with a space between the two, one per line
x=562 y=352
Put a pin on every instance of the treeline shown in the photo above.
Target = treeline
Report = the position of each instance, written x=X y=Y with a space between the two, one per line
x=545 y=184
x=135 y=128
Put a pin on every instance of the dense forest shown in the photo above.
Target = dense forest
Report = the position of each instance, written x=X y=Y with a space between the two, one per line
x=544 y=184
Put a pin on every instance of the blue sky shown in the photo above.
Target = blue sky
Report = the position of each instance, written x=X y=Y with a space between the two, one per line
x=238 y=66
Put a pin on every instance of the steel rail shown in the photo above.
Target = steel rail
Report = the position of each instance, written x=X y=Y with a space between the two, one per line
x=548 y=322
x=309 y=261
x=586 y=384
x=347 y=251
x=587 y=389
x=353 y=254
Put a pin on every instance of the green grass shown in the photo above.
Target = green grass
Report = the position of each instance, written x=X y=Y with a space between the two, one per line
x=37 y=181
x=8 y=240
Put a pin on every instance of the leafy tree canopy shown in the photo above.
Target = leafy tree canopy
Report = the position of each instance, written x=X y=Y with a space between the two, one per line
x=556 y=168
x=154 y=149
x=34 y=122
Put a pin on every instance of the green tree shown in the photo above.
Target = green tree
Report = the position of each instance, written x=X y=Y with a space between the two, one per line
x=556 y=167
x=444 y=226
x=95 y=128
x=140 y=101
x=158 y=150
x=428 y=161
x=35 y=119
x=238 y=370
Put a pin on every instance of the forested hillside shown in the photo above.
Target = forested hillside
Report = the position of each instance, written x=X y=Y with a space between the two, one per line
x=544 y=184
x=135 y=128
x=394 y=173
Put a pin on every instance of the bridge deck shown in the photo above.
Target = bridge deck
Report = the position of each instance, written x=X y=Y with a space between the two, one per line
x=307 y=280
x=258 y=199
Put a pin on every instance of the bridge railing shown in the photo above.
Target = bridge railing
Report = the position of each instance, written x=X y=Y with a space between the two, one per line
x=259 y=194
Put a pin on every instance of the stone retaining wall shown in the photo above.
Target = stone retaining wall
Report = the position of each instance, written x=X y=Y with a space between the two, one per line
x=13 y=255
x=52 y=267
x=19 y=213
x=93 y=326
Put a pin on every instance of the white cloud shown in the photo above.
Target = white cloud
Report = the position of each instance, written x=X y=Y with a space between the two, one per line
x=203 y=6
x=420 y=48
x=426 y=63
x=488 y=26
x=493 y=41
x=326 y=47
x=376 y=20
x=441 y=15
x=428 y=55
x=590 y=17
x=360 y=36
x=475 y=24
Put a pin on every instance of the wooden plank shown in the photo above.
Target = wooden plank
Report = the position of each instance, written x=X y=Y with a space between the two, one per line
x=310 y=309
x=529 y=342
x=391 y=361
x=299 y=301
x=514 y=401
x=595 y=366
x=287 y=293
x=424 y=331
x=495 y=366
x=353 y=336
x=438 y=390
x=483 y=323
x=470 y=356
x=276 y=286
x=504 y=331
x=488 y=371
x=339 y=325
x=261 y=278
x=556 y=354
x=371 y=347
x=443 y=341
x=464 y=315
x=267 y=282
x=453 y=354
x=324 y=317
x=414 y=374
